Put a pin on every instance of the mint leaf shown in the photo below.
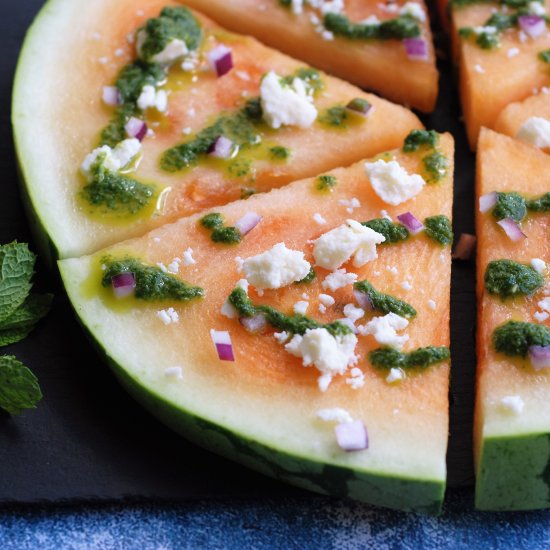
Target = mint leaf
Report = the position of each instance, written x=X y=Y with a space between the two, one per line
x=16 y=269
x=19 y=387
x=13 y=335
x=28 y=313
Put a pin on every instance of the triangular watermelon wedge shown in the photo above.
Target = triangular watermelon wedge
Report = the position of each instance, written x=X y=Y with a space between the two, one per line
x=512 y=416
x=264 y=408
x=57 y=128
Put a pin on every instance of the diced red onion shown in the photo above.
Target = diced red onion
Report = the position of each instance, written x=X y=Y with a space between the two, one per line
x=349 y=323
x=224 y=347
x=512 y=229
x=123 y=284
x=416 y=48
x=248 y=222
x=221 y=148
x=352 y=436
x=362 y=107
x=111 y=95
x=254 y=324
x=136 y=128
x=465 y=247
x=487 y=202
x=532 y=25
x=539 y=356
x=221 y=59
x=413 y=224
x=364 y=300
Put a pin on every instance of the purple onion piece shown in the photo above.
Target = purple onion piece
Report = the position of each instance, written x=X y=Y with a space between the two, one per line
x=352 y=436
x=221 y=59
x=416 y=48
x=123 y=284
x=136 y=128
x=532 y=25
x=248 y=222
x=221 y=148
x=224 y=347
x=487 y=202
x=465 y=247
x=539 y=357
x=413 y=224
x=364 y=300
x=254 y=324
x=111 y=95
x=512 y=229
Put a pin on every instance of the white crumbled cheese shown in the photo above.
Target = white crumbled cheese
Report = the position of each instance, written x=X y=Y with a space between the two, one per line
x=188 y=257
x=431 y=304
x=243 y=75
x=488 y=29
x=174 y=372
x=512 y=403
x=329 y=6
x=535 y=131
x=327 y=35
x=392 y=269
x=338 y=279
x=239 y=264
x=330 y=354
x=350 y=204
x=287 y=105
x=406 y=285
x=337 y=246
x=352 y=312
x=175 y=49
x=301 y=307
x=103 y=60
x=168 y=316
x=326 y=300
x=478 y=68
x=395 y=375
x=119 y=52
x=334 y=415
x=538 y=265
x=371 y=20
x=186 y=131
x=297 y=6
x=392 y=183
x=305 y=296
x=114 y=159
x=227 y=309
x=276 y=267
x=156 y=239
x=322 y=308
x=541 y=316
x=384 y=214
x=162 y=267
x=150 y=97
x=281 y=337
x=356 y=379
x=317 y=218
x=544 y=304
x=174 y=266
x=384 y=329
x=512 y=52
x=536 y=8
x=414 y=10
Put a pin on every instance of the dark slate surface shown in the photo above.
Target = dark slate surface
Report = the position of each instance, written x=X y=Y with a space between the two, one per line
x=89 y=440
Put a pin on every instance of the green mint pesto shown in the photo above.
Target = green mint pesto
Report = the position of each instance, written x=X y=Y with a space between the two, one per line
x=517 y=4
x=541 y=204
x=325 y=182
x=311 y=276
x=174 y=23
x=420 y=138
x=544 y=56
x=114 y=192
x=335 y=116
x=359 y=105
x=439 y=229
x=239 y=168
x=398 y=28
x=152 y=284
x=285 y=3
x=510 y=205
x=436 y=164
x=387 y=358
x=508 y=278
x=239 y=127
x=129 y=83
x=219 y=232
x=385 y=302
x=515 y=338
x=279 y=153
x=393 y=232
x=311 y=77
x=295 y=324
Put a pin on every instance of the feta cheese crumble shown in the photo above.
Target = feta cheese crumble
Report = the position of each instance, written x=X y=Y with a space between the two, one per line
x=174 y=372
x=287 y=105
x=392 y=183
x=338 y=279
x=350 y=204
x=512 y=403
x=479 y=69
x=337 y=246
x=335 y=414
x=538 y=265
x=395 y=375
x=118 y=158
x=188 y=257
x=317 y=218
x=276 y=267
x=536 y=8
x=152 y=98
x=536 y=132
x=168 y=316
x=414 y=10
x=326 y=299
x=301 y=307
x=384 y=329
x=353 y=313
x=512 y=52
x=356 y=379
x=431 y=304
x=331 y=355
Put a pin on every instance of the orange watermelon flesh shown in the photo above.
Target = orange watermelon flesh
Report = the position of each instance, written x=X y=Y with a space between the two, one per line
x=382 y=66
x=504 y=80
x=511 y=451
x=70 y=110
x=261 y=410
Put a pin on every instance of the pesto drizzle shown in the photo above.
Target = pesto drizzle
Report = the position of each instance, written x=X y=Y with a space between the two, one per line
x=507 y=278
x=387 y=358
x=398 y=28
x=325 y=182
x=439 y=229
x=393 y=232
x=385 y=302
x=435 y=162
x=220 y=233
x=513 y=205
x=515 y=337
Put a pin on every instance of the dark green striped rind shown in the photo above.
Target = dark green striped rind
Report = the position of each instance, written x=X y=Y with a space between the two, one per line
x=514 y=473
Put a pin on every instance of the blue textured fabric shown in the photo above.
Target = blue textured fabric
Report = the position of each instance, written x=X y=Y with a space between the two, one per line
x=315 y=522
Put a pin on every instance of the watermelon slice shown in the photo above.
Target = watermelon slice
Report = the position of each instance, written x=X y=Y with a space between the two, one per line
x=56 y=129
x=391 y=67
x=492 y=75
x=232 y=387
x=512 y=424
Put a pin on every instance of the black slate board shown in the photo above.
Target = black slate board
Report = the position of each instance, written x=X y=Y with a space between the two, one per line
x=88 y=439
